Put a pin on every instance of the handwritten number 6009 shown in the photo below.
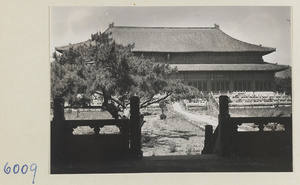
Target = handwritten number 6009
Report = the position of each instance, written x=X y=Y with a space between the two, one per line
x=24 y=169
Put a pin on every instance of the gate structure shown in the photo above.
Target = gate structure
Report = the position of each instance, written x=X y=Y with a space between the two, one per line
x=67 y=148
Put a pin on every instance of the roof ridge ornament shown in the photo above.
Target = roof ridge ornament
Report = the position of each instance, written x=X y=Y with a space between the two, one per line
x=111 y=25
x=217 y=26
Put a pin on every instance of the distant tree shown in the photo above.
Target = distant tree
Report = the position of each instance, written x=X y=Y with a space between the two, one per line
x=283 y=85
x=112 y=71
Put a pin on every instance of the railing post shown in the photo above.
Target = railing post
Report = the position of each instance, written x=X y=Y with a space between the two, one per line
x=226 y=130
x=288 y=125
x=58 y=109
x=208 y=148
x=57 y=132
x=135 y=128
x=289 y=133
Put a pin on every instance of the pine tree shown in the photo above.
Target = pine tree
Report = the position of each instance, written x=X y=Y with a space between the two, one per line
x=111 y=70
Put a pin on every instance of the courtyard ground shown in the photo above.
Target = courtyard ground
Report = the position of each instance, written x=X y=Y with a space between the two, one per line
x=175 y=135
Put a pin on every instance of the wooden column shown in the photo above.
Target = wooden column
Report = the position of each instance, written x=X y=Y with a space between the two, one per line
x=273 y=82
x=253 y=82
x=231 y=82
x=209 y=82
x=135 y=128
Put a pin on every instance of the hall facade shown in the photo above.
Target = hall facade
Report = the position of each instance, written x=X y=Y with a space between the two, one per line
x=205 y=57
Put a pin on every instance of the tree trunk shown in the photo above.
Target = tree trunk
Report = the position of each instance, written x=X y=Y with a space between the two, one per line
x=110 y=107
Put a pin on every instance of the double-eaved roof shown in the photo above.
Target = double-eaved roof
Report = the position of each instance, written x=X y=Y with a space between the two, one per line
x=178 y=39
x=185 y=40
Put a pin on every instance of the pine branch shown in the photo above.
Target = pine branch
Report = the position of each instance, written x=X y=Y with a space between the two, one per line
x=118 y=102
x=156 y=101
x=149 y=100
x=113 y=99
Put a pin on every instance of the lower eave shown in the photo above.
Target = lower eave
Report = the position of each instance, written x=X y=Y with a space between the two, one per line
x=229 y=67
x=184 y=52
x=65 y=48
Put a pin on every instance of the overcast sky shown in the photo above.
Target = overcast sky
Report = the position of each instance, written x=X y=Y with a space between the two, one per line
x=269 y=26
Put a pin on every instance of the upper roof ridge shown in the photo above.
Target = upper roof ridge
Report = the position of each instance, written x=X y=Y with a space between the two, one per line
x=154 y=27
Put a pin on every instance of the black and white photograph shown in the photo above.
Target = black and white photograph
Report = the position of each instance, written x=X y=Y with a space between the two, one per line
x=149 y=92
x=170 y=89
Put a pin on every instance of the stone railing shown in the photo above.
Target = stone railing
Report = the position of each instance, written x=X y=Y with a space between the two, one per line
x=228 y=141
x=67 y=147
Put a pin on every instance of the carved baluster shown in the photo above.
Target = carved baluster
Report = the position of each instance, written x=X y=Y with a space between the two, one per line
x=71 y=129
x=261 y=127
x=121 y=128
x=235 y=126
x=97 y=130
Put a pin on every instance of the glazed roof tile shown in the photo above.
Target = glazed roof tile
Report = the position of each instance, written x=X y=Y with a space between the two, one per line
x=178 y=39
x=181 y=39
